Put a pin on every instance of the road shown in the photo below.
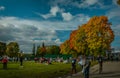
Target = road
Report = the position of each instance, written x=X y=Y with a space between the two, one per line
x=110 y=70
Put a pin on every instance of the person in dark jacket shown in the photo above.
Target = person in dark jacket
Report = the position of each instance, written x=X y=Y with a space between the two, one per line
x=73 y=65
x=100 y=62
x=86 y=67
x=21 y=59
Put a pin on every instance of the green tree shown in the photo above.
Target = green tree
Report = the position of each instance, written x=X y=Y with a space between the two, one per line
x=12 y=49
x=53 y=49
x=2 y=48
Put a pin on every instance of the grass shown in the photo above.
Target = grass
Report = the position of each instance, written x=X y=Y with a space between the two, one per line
x=31 y=69
x=35 y=70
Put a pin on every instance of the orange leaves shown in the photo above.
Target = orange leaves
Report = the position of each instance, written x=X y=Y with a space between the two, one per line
x=118 y=2
x=65 y=47
x=96 y=34
x=101 y=35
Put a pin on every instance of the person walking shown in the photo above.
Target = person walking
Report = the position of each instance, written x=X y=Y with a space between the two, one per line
x=100 y=62
x=86 y=67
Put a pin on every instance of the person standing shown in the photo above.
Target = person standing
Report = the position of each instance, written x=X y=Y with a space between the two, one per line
x=73 y=65
x=4 y=61
x=86 y=66
x=100 y=62
x=21 y=59
x=82 y=62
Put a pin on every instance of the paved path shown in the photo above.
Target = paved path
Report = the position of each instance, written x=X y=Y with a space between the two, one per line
x=110 y=70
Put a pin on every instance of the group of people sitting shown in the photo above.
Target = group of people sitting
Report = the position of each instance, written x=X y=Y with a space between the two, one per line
x=43 y=60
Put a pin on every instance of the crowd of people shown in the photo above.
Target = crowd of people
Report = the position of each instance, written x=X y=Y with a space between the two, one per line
x=83 y=61
x=5 y=59
x=85 y=64
x=50 y=60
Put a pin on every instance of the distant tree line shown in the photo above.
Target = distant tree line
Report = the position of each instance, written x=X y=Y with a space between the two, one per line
x=11 y=49
x=43 y=50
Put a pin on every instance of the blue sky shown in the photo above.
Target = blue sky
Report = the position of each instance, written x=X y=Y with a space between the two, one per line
x=51 y=21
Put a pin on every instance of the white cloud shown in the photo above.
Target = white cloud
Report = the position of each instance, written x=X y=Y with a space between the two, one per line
x=115 y=2
x=87 y=3
x=115 y=12
x=91 y=2
x=53 y=12
x=2 y=8
x=67 y=16
x=25 y=31
x=78 y=3
x=46 y=16
x=58 y=41
x=44 y=25
x=116 y=29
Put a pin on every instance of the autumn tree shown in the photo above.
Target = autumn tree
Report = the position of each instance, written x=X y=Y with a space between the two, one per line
x=99 y=34
x=77 y=40
x=65 y=48
x=93 y=37
x=118 y=2
x=12 y=49
x=52 y=49
x=2 y=48
x=41 y=50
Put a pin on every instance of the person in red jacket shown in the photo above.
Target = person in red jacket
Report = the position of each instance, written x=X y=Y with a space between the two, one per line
x=4 y=61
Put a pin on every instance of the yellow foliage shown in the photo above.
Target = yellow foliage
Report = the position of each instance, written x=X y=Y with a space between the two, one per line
x=95 y=34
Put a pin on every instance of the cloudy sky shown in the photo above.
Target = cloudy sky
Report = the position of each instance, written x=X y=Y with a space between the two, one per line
x=51 y=21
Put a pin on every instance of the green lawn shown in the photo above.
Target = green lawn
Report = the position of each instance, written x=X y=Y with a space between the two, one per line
x=35 y=70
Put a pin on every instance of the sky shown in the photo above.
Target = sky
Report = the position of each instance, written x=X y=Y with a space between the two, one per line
x=51 y=21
